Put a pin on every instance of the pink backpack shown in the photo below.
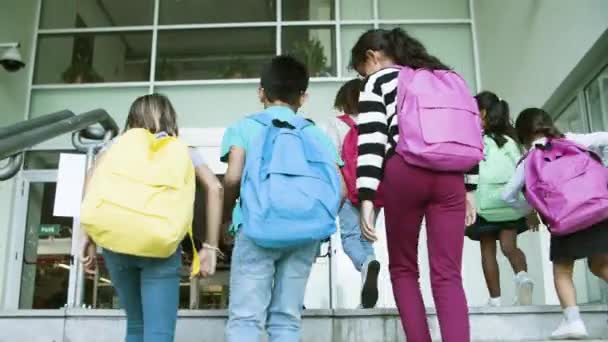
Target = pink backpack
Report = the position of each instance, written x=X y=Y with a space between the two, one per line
x=568 y=186
x=439 y=123
x=350 y=153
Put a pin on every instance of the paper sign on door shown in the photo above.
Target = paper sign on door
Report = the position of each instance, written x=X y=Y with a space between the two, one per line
x=70 y=183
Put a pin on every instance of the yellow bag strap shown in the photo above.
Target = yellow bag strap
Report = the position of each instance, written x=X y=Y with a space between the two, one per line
x=196 y=263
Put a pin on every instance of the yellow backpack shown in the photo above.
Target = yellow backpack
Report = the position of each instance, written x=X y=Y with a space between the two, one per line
x=140 y=199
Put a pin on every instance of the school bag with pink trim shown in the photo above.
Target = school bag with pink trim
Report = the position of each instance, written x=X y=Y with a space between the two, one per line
x=439 y=123
x=567 y=184
x=350 y=153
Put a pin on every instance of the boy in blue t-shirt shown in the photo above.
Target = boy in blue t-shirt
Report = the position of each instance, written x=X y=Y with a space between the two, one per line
x=267 y=285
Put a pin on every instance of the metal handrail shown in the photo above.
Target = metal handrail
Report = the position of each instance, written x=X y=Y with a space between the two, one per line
x=27 y=125
x=85 y=136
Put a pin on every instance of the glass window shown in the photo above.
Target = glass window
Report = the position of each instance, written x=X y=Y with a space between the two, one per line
x=572 y=119
x=95 y=13
x=308 y=10
x=451 y=43
x=215 y=11
x=47 y=252
x=423 y=9
x=93 y=58
x=350 y=35
x=214 y=53
x=356 y=9
x=596 y=95
x=314 y=46
x=42 y=160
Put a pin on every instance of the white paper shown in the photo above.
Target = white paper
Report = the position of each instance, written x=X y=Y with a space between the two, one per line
x=70 y=184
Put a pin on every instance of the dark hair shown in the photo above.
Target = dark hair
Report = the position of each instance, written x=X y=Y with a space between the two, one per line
x=347 y=98
x=398 y=45
x=497 y=122
x=284 y=79
x=153 y=112
x=534 y=122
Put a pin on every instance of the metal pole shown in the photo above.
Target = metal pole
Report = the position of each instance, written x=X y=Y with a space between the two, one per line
x=79 y=269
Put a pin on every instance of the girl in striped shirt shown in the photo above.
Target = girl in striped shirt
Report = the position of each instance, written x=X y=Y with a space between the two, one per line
x=410 y=193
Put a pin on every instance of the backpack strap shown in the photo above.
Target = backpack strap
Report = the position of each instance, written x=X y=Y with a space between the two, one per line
x=406 y=75
x=300 y=123
x=347 y=119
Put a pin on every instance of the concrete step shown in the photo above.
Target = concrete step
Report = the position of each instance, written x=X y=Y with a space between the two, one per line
x=533 y=323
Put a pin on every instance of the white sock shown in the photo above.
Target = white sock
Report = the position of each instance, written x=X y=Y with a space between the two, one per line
x=523 y=275
x=572 y=314
x=495 y=301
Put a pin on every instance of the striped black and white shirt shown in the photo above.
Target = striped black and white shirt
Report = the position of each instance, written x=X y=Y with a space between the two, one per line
x=379 y=132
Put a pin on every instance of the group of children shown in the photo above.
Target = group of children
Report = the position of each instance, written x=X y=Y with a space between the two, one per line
x=287 y=182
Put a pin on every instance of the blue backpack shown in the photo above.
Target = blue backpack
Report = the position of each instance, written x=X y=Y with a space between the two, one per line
x=290 y=189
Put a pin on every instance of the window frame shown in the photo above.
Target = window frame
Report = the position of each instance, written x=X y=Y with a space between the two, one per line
x=337 y=23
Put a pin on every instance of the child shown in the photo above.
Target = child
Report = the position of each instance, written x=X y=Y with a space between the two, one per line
x=269 y=273
x=496 y=220
x=359 y=250
x=534 y=128
x=412 y=192
x=148 y=287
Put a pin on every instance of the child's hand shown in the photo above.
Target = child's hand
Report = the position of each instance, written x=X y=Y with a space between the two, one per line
x=208 y=260
x=88 y=255
x=533 y=221
x=471 y=209
x=367 y=218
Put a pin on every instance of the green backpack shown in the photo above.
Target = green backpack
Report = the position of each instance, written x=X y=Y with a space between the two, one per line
x=494 y=173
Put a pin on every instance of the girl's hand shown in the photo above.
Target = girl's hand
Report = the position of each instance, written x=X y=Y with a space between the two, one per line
x=533 y=221
x=367 y=219
x=208 y=259
x=471 y=209
x=88 y=255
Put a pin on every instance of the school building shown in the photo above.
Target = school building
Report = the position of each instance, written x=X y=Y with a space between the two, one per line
x=205 y=55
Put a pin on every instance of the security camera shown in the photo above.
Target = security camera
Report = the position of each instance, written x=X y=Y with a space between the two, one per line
x=11 y=59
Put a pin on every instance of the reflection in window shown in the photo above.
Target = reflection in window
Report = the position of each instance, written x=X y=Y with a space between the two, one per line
x=215 y=11
x=96 y=13
x=302 y=10
x=213 y=53
x=596 y=94
x=423 y=9
x=93 y=58
x=314 y=46
x=46 y=254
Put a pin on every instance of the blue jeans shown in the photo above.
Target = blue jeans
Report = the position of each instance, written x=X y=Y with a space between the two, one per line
x=148 y=290
x=267 y=289
x=358 y=249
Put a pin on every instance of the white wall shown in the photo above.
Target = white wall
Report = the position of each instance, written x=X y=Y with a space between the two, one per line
x=527 y=48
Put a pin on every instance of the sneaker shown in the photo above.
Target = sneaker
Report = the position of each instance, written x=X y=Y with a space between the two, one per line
x=525 y=287
x=369 y=291
x=494 y=302
x=570 y=330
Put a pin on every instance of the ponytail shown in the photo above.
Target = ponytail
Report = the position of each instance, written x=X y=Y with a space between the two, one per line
x=497 y=123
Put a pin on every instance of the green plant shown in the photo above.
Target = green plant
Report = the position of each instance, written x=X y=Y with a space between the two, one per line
x=312 y=53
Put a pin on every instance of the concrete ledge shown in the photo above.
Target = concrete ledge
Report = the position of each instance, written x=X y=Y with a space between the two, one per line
x=533 y=323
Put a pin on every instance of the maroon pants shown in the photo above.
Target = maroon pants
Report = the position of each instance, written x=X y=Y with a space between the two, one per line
x=440 y=198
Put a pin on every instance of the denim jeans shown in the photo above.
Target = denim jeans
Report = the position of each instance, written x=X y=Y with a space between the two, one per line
x=267 y=290
x=358 y=249
x=148 y=290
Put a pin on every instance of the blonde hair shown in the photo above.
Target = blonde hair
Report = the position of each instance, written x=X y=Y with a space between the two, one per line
x=153 y=112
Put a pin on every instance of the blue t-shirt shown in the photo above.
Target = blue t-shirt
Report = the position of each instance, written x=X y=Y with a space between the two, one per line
x=243 y=133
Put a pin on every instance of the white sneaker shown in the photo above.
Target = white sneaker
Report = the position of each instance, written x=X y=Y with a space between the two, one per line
x=525 y=288
x=369 y=289
x=570 y=330
x=494 y=302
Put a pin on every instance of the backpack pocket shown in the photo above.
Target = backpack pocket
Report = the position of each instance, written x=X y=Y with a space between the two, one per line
x=440 y=115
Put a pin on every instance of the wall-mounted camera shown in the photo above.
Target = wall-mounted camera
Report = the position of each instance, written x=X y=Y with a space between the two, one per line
x=10 y=58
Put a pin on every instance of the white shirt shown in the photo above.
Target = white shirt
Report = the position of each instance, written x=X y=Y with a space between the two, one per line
x=337 y=130
x=593 y=141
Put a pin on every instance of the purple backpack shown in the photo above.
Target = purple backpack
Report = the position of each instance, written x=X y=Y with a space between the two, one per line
x=439 y=123
x=568 y=186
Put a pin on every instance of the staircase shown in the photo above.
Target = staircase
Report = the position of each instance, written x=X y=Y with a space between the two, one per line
x=533 y=323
